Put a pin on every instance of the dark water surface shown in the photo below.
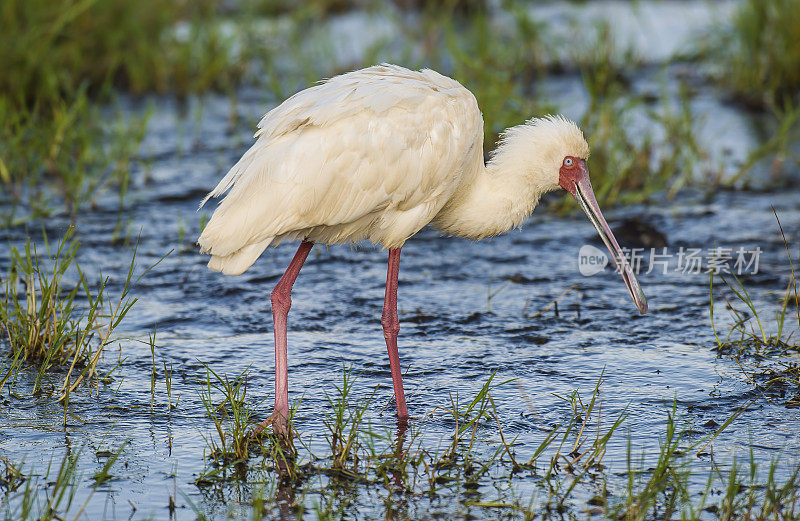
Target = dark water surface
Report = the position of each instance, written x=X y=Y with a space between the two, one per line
x=452 y=336
x=452 y=339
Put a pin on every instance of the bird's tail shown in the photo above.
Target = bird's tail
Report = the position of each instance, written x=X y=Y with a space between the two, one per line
x=232 y=176
x=237 y=262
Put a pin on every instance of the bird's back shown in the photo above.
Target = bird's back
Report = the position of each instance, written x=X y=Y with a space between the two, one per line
x=371 y=154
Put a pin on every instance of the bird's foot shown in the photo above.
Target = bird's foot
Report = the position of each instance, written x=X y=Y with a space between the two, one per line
x=280 y=425
x=280 y=443
x=402 y=424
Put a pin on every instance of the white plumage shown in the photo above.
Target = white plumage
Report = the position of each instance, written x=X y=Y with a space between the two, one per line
x=372 y=154
x=377 y=154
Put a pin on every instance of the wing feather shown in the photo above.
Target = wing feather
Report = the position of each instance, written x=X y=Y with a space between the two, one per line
x=345 y=154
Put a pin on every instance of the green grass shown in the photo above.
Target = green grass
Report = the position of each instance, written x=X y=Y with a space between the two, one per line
x=58 y=149
x=606 y=67
x=63 y=60
x=759 y=54
x=500 y=65
x=750 y=328
x=64 y=156
x=55 y=50
x=479 y=469
x=631 y=162
x=758 y=342
x=505 y=68
x=344 y=423
x=226 y=404
x=51 y=495
x=777 y=151
x=55 y=321
x=43 y=323
x=756 y=59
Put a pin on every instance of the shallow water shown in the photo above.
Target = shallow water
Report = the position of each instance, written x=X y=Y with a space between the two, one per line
x=452 y=338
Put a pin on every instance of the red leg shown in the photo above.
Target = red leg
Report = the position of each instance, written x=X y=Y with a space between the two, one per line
x=391 y=326
x=281 y=298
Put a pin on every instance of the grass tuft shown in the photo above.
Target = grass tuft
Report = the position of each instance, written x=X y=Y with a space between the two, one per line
x=760 y=54
x=62 y=61
x=50 y=320
x=765 y=354
x=55 y=322
x=233 y=417
x=344 y=424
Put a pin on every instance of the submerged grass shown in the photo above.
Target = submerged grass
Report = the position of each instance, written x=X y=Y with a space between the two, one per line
x=760 y=344
x=232 y=417
x=481 y=471
x=53 y=495
x=54 y=321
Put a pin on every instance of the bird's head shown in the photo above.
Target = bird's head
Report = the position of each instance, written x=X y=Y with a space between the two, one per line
x=561 y=156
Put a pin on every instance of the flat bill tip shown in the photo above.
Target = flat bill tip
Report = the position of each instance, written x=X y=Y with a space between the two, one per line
x=642 y=304
x=634 y=289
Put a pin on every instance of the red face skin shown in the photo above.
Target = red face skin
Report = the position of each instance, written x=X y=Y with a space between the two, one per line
x=573 y=170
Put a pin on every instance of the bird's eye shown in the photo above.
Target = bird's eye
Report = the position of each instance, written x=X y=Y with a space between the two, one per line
x=567 y=161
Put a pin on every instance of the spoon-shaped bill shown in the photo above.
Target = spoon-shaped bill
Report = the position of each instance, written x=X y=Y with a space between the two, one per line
x=585 y=196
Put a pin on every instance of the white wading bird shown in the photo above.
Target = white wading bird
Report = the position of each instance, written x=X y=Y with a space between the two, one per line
x=378 y=154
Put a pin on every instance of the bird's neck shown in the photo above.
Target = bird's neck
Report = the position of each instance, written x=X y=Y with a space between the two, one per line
x=497 y=196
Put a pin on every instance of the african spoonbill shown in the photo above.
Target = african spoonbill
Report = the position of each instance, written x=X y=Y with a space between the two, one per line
x=378 y=154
